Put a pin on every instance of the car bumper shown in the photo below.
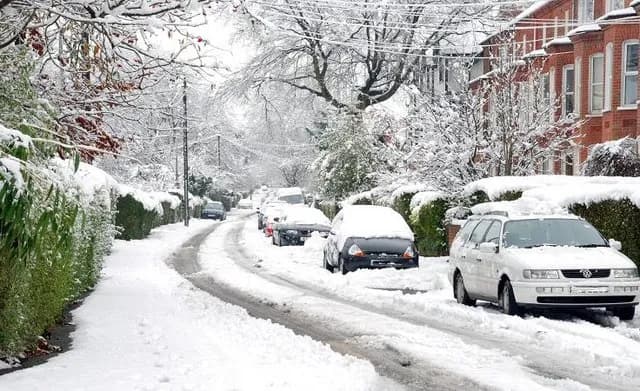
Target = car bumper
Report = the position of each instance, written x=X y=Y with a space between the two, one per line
x=571 y=294
x=353 y=263
x=212 y=216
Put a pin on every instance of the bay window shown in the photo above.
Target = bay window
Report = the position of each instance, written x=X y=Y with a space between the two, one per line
x=612 y=5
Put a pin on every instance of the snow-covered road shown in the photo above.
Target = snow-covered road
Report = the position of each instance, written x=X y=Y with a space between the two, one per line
x=146 y=328
x=451 y=345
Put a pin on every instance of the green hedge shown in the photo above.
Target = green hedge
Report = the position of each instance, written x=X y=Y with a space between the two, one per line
x=402 y=205
x=428 y=226
x=618 y=220
x=51 y=251
x=329 y=208
x=133 y=220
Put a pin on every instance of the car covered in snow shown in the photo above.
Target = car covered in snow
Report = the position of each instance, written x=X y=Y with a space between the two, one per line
x=297 y=223
x=270 y=215
x=245 y=203
x=291 y=195
x=264 y=210
x=541 y=261
x=367 y=236
x=214 y=210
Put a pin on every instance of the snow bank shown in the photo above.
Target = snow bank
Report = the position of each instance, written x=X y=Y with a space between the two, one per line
x=386 y=195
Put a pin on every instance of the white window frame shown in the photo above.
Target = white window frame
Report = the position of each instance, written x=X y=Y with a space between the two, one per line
x=612 y=6
x=555 y=27
x=577 y=169
x=608 y=77
x=626 y=73
x=592 y=84
x=583 y=16
x=544 y=35
x=567 y=23
x=552 y=93
x=577 y=89
x=564 y=89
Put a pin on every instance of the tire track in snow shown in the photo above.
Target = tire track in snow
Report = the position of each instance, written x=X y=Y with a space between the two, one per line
x=537 y=359
x=388 y=361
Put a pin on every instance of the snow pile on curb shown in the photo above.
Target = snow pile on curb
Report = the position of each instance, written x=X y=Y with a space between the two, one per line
x=386 y=195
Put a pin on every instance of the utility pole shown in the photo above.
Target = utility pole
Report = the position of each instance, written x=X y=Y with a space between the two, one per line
x=218 y=151
x=185 y=155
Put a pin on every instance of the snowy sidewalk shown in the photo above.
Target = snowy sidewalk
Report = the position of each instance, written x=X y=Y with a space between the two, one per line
x=146 y=328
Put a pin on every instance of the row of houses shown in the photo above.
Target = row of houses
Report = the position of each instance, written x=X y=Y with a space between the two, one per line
x=588 y=51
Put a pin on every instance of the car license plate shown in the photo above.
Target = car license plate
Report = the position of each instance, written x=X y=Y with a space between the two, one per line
x=378 y=262
x=590 y=289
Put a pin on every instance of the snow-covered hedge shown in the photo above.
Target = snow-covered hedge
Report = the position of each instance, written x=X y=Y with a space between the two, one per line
x=614 y=158
x=611 y=204
x=55 y=229
x=427 y=219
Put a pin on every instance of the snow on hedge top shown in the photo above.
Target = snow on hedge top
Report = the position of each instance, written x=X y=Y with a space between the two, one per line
x=369 y=221
x=520 y=207
x=304 y=215
x=423 y=198
x=494 y=187
x=287 y=191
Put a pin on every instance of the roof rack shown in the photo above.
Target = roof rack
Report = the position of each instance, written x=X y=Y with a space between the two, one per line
x=497 y=213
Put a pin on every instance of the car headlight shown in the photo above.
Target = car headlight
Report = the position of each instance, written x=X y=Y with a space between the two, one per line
x=540 y=274
x=625 y=273
x=355 y=251
x=292 y=232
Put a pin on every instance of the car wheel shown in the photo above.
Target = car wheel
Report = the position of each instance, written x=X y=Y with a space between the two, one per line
x=624 y=313
x=326 y=264
x=462 y=297
x=508 y=300
x=273 y=240
x=341 y=266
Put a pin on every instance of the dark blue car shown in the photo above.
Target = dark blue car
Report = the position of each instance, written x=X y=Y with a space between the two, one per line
x=214 y=210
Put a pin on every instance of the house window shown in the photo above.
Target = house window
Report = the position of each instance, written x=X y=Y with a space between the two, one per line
x=629 y=73
x=546 y=92
x=613 y=5
x=608 y=77
x=596 y=76
x=578 y=84
x=585 y=11
x=568 y=90
x=568 y=164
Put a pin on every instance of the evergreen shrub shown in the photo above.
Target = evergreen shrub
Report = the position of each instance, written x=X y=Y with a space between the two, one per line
x=618 y=220
x=427 y=224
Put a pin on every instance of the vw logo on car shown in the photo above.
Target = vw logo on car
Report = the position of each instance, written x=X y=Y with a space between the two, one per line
x=586 y=273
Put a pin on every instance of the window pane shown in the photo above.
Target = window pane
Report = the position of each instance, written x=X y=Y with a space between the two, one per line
x=493 y=234
x=630 y=89
x=597 y=72
x=568 y=75
x=632 y=58
x=568 y=104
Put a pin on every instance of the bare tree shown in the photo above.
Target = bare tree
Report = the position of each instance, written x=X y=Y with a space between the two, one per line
x=351 y=57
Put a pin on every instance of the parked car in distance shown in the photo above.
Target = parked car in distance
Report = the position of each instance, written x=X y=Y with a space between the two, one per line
x=264 y=211
x=291 y=195
x=296 y=225
x=214 y=210
x=366 y=236
x=245 y=203
x=536 y=261
x=271 y=215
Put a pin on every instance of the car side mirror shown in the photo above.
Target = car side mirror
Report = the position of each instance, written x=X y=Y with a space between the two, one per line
x=615 y=244
x=488 y=248
x=276 y=219
x=332 y=232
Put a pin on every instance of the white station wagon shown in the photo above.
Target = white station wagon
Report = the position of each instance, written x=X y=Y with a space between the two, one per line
x=536 y=261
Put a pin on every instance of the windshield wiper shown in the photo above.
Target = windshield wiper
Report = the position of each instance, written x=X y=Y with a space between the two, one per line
x=591 y=245
x=542 y=245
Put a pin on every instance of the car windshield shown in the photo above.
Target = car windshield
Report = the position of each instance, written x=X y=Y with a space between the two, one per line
x=217 y=206
x=292 y=198
x=551 y=232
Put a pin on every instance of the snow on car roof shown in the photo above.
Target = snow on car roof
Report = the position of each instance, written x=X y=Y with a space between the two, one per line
x=369 y=221
x=305 y=215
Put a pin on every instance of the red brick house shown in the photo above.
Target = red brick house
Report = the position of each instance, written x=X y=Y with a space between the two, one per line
x=589 y=50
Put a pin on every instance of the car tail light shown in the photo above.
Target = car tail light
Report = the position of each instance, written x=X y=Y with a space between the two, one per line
x=269 y=230
x=408 y=253
x=355 y=251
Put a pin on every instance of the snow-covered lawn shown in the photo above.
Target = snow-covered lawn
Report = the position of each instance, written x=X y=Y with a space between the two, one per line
x=146 y=328
x=535 y=352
